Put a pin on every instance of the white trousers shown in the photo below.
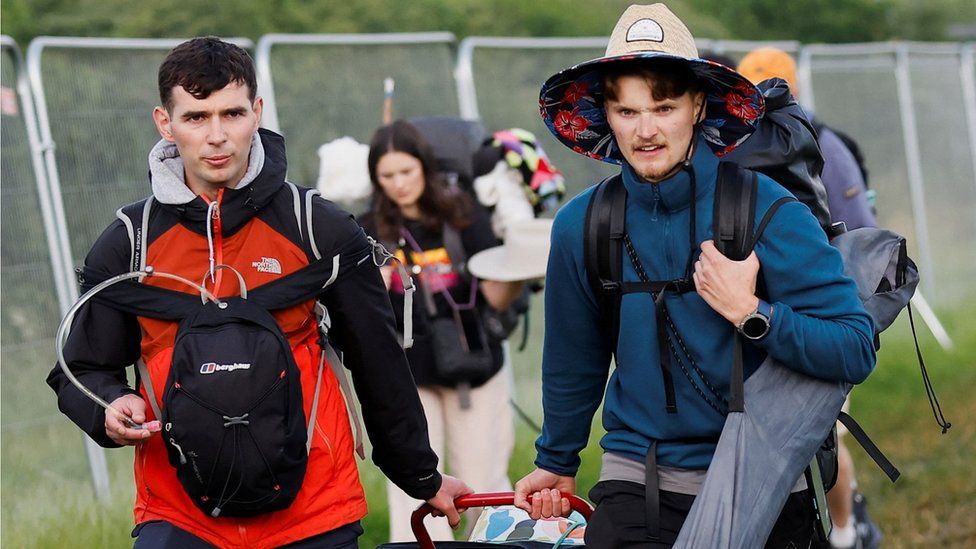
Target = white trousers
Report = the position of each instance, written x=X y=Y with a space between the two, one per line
x=478 y=443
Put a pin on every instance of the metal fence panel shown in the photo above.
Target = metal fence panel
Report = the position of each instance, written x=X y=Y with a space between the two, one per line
x=321 y=87
x=949 y=177
x=905 y=106
x=33 y=297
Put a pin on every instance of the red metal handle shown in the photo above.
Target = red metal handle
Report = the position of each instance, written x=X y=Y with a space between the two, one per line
x=576 y=503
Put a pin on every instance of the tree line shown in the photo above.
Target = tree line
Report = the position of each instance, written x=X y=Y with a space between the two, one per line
x=809 y=21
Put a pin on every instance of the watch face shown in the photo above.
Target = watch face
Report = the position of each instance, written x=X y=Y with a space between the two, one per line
x=755 y=327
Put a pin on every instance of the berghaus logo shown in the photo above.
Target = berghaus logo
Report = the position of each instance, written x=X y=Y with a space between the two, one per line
x=211 y=367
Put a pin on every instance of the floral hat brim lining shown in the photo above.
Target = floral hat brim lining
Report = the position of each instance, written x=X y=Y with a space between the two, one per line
x=571 y=104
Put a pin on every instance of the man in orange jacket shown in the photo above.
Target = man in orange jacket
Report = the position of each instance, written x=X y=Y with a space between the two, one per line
x=219 y=196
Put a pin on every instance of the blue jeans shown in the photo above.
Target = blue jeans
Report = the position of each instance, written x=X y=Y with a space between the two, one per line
x=158 y=534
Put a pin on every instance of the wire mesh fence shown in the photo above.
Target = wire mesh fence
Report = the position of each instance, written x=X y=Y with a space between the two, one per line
x=329 y=86
x=34 y=433
x=906 y=107
x=95 y=98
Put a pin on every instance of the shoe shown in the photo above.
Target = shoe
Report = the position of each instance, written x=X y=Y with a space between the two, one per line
x=869 y=536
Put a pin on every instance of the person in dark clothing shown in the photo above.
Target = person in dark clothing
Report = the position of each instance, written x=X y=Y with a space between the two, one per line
x=653 y=107
x=219 y=196
x=434 y=228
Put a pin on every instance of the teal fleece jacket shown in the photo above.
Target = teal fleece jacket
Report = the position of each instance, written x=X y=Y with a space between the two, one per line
x=819 y=326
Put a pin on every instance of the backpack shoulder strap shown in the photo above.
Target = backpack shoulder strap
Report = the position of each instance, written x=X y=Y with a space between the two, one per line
x=733 y=215
x=734 y=210
x=603 y=234
x=455 y=250
x=135 y=217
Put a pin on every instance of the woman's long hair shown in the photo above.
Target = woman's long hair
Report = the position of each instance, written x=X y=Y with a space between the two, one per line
x=437 y=203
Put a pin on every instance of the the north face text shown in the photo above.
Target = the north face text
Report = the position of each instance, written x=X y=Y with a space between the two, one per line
x=267 y=265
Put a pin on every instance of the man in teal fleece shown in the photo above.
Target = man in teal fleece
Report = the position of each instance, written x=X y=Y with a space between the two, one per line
x=665 y=116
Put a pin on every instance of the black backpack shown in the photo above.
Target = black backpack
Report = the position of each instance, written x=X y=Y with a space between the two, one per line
x=606 y=242
x=232 y=412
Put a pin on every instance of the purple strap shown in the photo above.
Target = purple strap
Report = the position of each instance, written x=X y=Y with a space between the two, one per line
x=443 y=291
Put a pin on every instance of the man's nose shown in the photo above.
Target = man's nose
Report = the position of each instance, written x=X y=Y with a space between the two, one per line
x=216 y=134
x=646 y=126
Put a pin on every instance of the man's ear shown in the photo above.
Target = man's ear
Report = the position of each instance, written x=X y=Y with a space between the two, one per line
x=258 y=108
x=700 y=107
x=163 y=123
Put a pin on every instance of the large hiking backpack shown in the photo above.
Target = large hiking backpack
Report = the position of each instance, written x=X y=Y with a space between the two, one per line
x=232 y=411
x=875 y=258
x=784 y=148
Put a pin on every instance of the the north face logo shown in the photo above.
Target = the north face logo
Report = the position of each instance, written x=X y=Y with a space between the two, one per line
x=211 y=367
x=267 y=265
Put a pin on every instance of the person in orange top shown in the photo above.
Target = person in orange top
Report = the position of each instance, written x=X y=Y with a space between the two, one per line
x=219 y=196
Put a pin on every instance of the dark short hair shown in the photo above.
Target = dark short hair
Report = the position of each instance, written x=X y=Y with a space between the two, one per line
x=202 y=66
x=668 y=78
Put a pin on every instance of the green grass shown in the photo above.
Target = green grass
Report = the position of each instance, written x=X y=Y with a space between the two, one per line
x=47 y=500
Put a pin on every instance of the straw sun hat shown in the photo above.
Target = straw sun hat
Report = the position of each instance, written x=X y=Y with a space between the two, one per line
x=524 y=255
x=571 y=101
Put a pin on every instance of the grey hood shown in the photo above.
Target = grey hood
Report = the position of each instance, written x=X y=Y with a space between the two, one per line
x=169 y=181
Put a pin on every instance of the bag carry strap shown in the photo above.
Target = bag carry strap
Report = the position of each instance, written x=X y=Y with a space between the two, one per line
x=150 y=392
x=382 y=256
x=822 y=522
x=339 y=371
x=652 y=495
x=869 y=446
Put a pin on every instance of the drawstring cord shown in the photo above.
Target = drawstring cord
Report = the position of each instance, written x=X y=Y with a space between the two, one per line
x=211 y=208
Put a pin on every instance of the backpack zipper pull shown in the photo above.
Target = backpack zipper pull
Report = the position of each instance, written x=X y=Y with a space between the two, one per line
x=178 y=449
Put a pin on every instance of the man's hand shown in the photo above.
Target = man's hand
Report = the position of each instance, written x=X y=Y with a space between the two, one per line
x=117 y=429
x=443 y=500
x=546 y=489
x=729 y=287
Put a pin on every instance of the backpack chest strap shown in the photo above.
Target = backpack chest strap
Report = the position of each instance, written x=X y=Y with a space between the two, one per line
x=655 y=287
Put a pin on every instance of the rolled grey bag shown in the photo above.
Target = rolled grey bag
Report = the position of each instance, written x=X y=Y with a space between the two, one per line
x=762 y=452
x=759 y=457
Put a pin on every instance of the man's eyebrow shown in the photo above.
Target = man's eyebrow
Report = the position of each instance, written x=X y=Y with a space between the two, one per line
x=232 y=110
x=193 y=114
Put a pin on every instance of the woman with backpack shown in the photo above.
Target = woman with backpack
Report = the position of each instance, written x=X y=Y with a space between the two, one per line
x=433 y=228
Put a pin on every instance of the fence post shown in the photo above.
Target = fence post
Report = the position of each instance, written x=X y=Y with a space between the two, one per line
x=914 y=162
x=967 y=72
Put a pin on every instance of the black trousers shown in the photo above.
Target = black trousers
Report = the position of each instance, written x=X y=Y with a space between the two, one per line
x=619 y=520
x=158 y=534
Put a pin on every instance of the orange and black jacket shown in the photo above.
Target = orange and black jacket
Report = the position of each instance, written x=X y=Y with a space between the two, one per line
x=255 y=229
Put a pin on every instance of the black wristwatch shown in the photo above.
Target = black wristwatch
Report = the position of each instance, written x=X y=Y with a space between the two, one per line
x=755 y=325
